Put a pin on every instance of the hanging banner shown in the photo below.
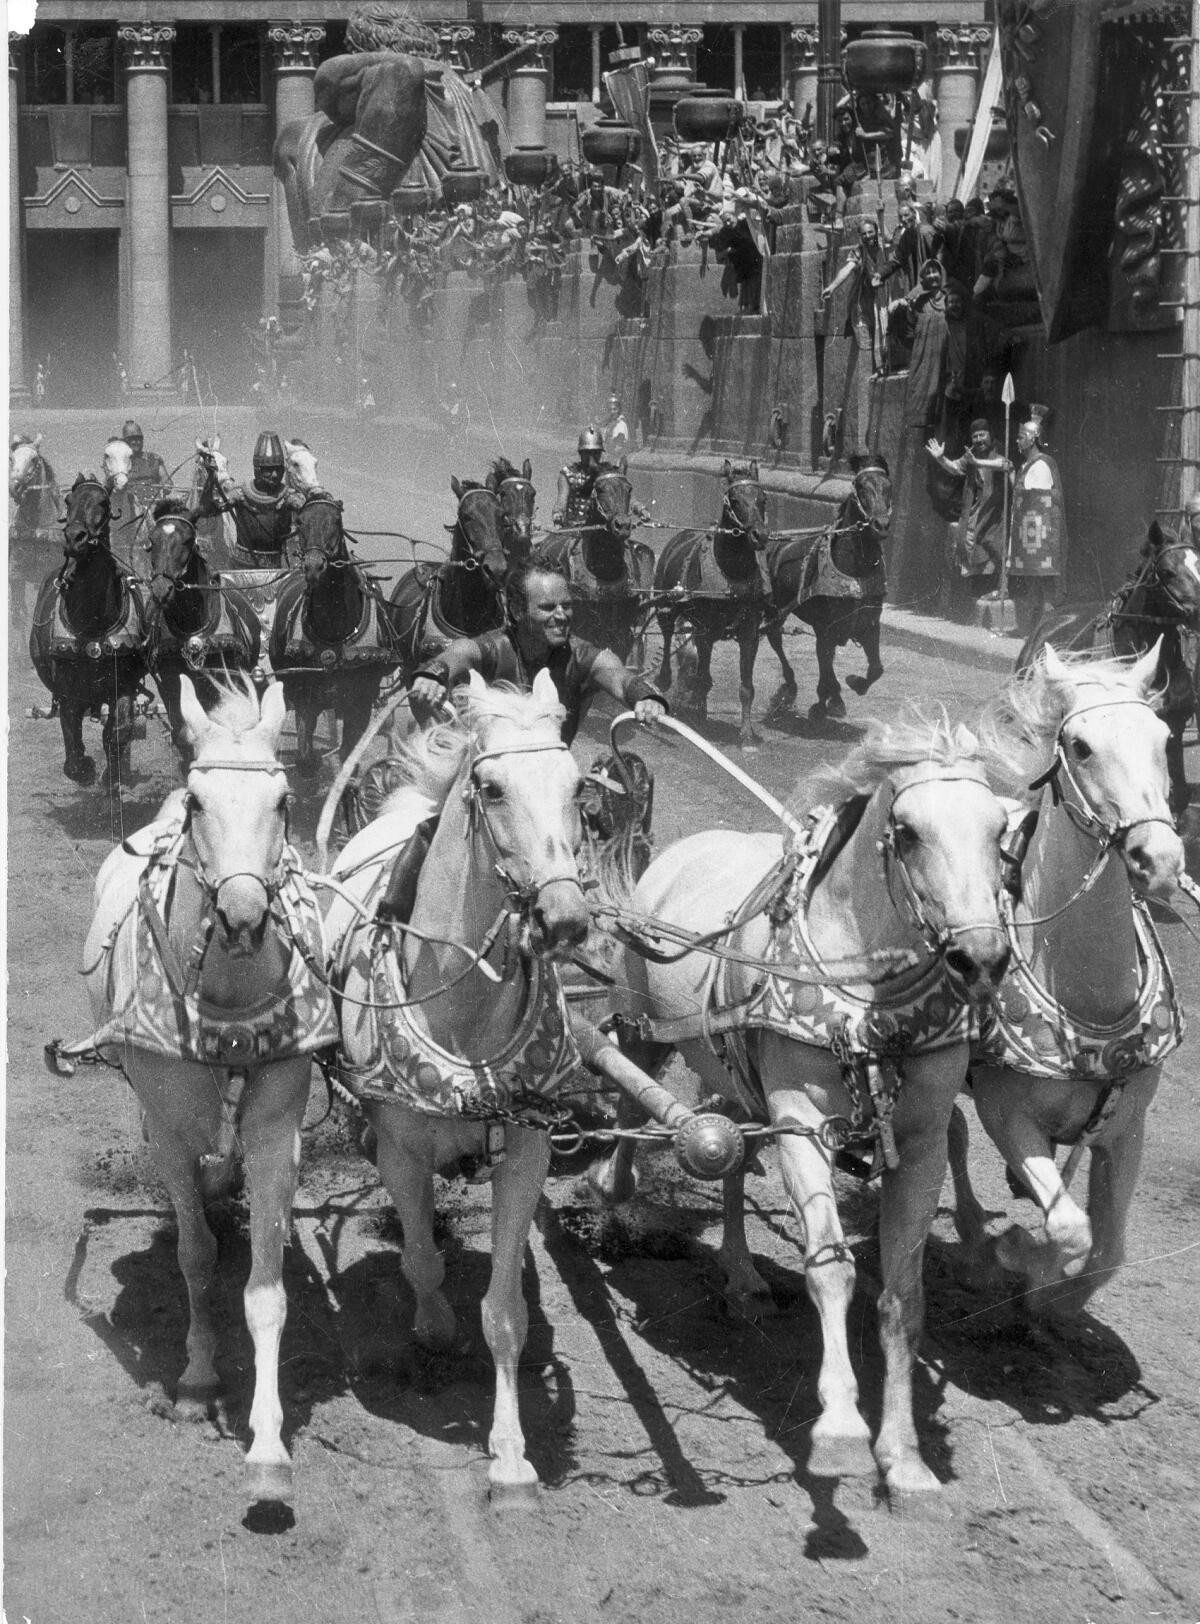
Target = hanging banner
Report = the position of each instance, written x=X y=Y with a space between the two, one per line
x=629 y=89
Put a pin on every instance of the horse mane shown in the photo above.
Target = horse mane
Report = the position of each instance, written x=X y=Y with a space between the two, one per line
x=173 y=506
x=237 y=708
x=1018 y=729
x=913 y=737
x=738 y=470
x=428 y=762
x=502 y=469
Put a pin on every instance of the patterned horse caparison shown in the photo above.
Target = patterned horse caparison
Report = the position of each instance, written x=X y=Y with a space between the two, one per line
x=721 y=590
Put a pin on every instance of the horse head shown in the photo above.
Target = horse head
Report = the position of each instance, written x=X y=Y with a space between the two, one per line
x=611 y=495
x=478 y=540
x=300 y=466
x=522 y=794
x=117 y=463
x=871 y=500
x=1110 y=762
x=318 y=528
x=87 y=517
x=744 y=510
x=517 y=499
x=172 y=548
x=1174 y=568
x=236 y=807
x=24 y=465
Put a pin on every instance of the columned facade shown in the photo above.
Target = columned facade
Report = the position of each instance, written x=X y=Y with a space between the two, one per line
x=956 y=90
x=148 y=214
x=18 y=383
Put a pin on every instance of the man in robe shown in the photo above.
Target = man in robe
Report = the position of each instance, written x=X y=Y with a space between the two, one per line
x=1038 y=535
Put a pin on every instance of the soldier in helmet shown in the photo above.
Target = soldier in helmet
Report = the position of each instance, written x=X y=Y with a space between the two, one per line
x=262 y=511
x=148 y=475
x=573 y=497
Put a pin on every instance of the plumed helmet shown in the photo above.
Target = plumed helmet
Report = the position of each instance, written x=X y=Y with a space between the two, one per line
x=268 y=451
x=131 y=430
x=591 y=439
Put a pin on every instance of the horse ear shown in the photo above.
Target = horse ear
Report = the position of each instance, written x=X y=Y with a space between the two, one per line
x=623 y=465
x=727 y=471
x=1154 y=534
x=37 y=439
x=271 y=712
x=527 y=470
x=1054 y=667
x=456 y=486
x=754 y=471
x=1145 y=670
x=476 y=686
x=544 y=690
x=195 y=722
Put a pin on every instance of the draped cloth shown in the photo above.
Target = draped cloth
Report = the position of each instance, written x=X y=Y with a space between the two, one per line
x=629 y=88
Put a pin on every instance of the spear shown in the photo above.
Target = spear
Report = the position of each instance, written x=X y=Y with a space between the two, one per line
x=1007 y=394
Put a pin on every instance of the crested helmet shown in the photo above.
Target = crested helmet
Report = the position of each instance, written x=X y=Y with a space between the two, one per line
x=131 y=430
x=268 y=451
x=591 y=439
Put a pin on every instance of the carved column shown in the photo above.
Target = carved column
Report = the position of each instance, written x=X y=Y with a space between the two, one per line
x=739 y=68
x=597 y=80
x=956 y=90
x=804 y=72
x=525 y=93
x=18 y=388
x=148 y=206
x=293 y=44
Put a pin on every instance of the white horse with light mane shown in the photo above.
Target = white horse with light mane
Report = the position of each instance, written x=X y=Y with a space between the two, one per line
x=1087 y=1012
x=198 y=968
x=900 y=851
x=454 y=1030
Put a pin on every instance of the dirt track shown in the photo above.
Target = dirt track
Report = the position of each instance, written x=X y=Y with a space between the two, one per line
x=671 y=1440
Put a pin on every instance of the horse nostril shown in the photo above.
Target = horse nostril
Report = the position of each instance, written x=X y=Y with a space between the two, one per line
x=963 y=965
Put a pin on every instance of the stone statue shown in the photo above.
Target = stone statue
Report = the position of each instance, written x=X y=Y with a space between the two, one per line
x=388 y=110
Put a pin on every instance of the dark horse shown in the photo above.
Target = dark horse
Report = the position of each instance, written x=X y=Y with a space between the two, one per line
x=88 y=638
x=611 y=575
x=434 y=603
x=195 y=626
x=1160 y=599
x=517 y=501
x=835 y=580
x=331 y=642
x=722 y=591
x=33 y=528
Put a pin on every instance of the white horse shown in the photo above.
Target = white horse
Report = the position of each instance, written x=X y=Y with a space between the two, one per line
x=300 y=477
x=1086 y=1014
x=198 y=968
x=912 y=861
x=454 y=1031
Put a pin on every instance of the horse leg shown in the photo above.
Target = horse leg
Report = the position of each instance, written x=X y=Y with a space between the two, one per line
x=516 y=1189
x=868 y=638
x=969 y=1217
x=829 y=690
x=1180 y=794
x=784 y=697
x=1008 y=1107
x=404 y=1157
x=1116 y=1160
x=841 y=1439
x=702 y=681
x=118 y=739
x=308 y=713
x=746 y=1292
x=77 y=764
x=270 y=1134
x=908 y=1202
x=747 y=640
x=666 y=625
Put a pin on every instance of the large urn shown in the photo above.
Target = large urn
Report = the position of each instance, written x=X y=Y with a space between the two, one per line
x=411 y=198
x=530 y=166
x=885 y=60
x=705 y=114
x=611 y=141
x=462 y=183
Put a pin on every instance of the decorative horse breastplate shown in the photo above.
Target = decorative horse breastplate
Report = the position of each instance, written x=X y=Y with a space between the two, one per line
x=220 y=641
x=1028 y=1030
x=706 y=578
x=369 y=644
x=151 y=1010
x=123 y=639
x=408 y=1068
x=823 y=579
x=636 y=578
x=916 y=1013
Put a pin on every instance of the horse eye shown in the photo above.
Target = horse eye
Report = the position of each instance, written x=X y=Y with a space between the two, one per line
x=492 y=792
x=1080 y=749
x=906 y=835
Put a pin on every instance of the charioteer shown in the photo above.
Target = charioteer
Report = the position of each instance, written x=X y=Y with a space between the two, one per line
x=573 y=498
x=538 y=638
x=262 y=512
x=149 y=477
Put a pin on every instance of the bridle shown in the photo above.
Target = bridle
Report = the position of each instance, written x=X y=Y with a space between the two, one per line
x=607 y=478
x=940 y=939
x=522 y=898
x=475 y=559
x=37 y=465
x=516 y=485
x=179 y=579
x=1079 y=810
x=1149 y=575
x=740 y=527
x=320 y=549
x=93 y=536
x=213 y=889
x=864 y=521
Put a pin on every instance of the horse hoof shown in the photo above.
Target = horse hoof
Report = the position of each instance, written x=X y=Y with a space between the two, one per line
x=858 y=685
x=82 y=771
x=835 y=707
x=195 y=1404
x=841 y=1457
x=514 y=1496
x=268 y=1480
x=817 y=711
